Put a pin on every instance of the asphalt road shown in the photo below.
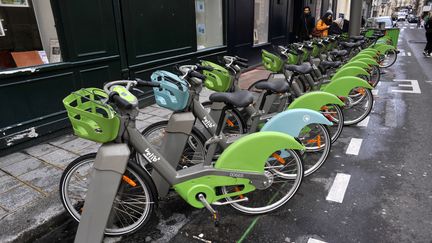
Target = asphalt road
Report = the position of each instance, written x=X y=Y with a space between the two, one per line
x=383 y=190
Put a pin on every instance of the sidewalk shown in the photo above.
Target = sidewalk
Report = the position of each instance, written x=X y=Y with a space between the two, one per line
x=29 y=179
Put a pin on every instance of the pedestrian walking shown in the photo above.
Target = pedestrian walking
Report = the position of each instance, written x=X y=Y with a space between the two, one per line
x=428 y=28
x=307 y=25
x=323 y=25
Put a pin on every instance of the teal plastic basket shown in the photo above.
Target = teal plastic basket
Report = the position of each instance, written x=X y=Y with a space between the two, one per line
x=173 y=92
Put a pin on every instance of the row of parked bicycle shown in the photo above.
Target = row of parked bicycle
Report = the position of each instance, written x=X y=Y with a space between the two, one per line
x=246 y=148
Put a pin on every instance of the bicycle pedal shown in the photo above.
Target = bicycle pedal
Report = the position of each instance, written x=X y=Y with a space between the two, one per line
x=215 y=214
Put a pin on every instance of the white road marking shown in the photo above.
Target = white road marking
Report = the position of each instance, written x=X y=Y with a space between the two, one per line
x=312 y=240
x=338 y=189
x=391 y=114
x=414 y=85
x=364 y=123
x=428 y=81
x=409 y=54
x=411 y=28
x=375 y=91
x=354 y=146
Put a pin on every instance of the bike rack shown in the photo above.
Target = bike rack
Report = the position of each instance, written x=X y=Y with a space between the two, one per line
x=109 y=167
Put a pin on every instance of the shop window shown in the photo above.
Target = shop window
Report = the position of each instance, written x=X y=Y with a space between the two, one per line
x=28 y=36
x=209 y=21
x=261 y=21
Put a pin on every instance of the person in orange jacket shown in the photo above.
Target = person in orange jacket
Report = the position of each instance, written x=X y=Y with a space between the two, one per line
x=324 y=24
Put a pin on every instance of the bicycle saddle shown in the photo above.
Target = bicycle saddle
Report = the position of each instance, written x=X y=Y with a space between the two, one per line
x=308 y=47
x=349 y=44
x=274 y=85
x=304 y=68
x=328 y=64
x=357 y=38
x=241 y=98
x=319 y=44
x=339 y=53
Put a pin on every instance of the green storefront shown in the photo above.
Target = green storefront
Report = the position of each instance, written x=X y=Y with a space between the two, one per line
x=50 y=48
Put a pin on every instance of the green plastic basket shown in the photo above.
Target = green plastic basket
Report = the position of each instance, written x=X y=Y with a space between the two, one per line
x=271 y=62
x=219 y=79
x=90 y=117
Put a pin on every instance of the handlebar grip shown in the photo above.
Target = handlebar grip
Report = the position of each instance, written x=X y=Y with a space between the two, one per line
x=120 y=102
x=241 y=59
x=241 y=64
x=198 y=75
x=205 y=68
x=146 y=83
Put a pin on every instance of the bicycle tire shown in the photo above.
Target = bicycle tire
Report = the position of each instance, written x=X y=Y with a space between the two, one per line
x=142 y=179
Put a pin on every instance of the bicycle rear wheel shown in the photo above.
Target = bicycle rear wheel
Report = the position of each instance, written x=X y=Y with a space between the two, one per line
x=388 y=58
x=358 y=106
x=286 y=167
x=316 y=139
x=334 y=114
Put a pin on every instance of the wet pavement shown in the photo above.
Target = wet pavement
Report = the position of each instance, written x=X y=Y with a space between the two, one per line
x=382 y=194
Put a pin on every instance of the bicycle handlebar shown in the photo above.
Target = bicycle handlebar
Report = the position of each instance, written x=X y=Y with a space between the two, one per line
x=119 y=101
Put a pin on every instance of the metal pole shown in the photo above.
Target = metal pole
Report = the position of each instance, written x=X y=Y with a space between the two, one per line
x=355 y=17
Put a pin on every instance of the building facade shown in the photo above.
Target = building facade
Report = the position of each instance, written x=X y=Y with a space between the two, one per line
x=382 y=8
x=49 y=48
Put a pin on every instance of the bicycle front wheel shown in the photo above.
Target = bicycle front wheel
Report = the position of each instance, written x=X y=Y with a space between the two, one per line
x=133 y=204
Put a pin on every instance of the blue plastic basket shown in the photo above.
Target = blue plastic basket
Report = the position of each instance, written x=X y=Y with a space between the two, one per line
x=173 y=92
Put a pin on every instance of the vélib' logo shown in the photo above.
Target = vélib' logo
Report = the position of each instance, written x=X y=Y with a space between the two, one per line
x=151 y=157
x=207 y=123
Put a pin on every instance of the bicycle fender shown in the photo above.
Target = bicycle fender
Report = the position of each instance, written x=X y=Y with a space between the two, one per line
x=384 y=48
x=251 y=152
x=293 y=121
x=343 y=86
x=349 y=71
x=369 y=61
x=356 y=63
x=371 y=49
x=315 y=101
x=370 y=53
x=361 y=55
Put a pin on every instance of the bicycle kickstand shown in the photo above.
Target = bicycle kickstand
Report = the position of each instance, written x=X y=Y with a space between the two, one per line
x=215 y=214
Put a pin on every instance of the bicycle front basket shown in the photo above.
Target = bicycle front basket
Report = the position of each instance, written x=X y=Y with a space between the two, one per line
x=271 y=62
x=219 y=79
x=90 y=117
x=173 y=92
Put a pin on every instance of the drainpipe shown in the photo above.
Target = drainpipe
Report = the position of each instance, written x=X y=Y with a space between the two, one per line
x=355 y=17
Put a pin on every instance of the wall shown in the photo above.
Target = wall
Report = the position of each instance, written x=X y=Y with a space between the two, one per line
x=344 y=7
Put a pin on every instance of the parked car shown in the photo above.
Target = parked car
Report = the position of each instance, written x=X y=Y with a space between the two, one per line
x=413 y=19
x=377 y=21
x=401 y=17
